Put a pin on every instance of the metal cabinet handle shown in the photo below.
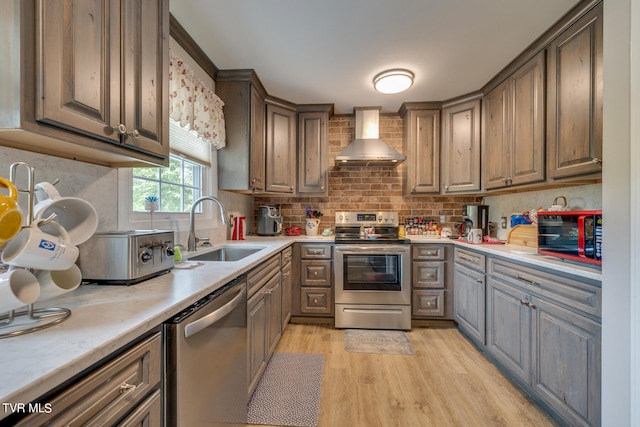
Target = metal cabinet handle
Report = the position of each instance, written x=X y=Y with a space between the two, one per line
x=126 y=388
x=479 y=281
x=134 y=133
x=285 y=274
x=529 y=281
x=315 y=251
x=528 y=303
x=464 y=258
x=120 y=129
x=596 y=161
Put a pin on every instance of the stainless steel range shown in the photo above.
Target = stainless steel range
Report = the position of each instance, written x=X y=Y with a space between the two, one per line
x=372 y=272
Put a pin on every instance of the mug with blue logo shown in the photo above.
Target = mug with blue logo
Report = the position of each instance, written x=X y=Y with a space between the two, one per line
x=33 y=248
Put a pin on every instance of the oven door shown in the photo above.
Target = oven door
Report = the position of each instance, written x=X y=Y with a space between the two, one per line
x=372 y=274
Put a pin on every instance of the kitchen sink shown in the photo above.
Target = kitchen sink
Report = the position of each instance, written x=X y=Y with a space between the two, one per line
x=228 y=253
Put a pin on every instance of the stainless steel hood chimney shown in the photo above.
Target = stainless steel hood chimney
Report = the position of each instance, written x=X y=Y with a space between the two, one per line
x=367 y=149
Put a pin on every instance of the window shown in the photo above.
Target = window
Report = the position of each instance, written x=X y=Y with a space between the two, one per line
x=176 y=186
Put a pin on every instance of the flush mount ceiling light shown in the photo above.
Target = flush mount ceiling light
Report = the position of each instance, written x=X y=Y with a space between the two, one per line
x=393 y=81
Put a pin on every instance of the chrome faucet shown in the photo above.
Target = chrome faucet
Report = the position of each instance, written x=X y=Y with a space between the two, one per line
x=193 y=240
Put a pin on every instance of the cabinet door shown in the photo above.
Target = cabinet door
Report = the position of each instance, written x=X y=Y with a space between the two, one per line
x=527 y=136
x=78 y=74
x=257 y=143
x=287 y=283
x=274 y=306
x=422 y=129
x=509 y=323
x=575 y=99
x=428 y=303
x=145 y=62
x=313 y=157
x=461 y=145
x=281 y=149
x=469 y=302
x=568 y=364
x=495 y=144
x=257 y=316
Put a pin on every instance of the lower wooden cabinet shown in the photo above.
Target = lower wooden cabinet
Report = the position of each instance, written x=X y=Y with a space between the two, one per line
x=312 y=291
x=469 y=302
x=125 y=391
x=547 y=342
x=431 y=281
x=264 y=327
x=287 y=282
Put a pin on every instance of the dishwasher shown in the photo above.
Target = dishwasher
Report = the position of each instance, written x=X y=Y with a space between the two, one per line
x=206 y=360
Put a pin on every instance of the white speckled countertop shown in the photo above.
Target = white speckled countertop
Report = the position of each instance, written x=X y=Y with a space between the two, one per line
x=105 y=318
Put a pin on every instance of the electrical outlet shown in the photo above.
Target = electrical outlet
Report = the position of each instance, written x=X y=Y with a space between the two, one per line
x=443 y=218
x=503 y=222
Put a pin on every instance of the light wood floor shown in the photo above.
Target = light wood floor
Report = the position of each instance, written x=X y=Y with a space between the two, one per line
x=448 y=382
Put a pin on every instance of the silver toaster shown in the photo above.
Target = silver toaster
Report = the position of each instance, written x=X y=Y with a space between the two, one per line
x=126 y=257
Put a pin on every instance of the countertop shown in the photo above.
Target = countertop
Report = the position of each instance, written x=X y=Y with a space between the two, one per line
x=105 y=318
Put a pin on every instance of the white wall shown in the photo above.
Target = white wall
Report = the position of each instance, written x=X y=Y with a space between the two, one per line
x=579 y=197
x=620 y=315
x=96 y=184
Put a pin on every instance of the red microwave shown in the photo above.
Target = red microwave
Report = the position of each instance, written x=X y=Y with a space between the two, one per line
x=571 y=235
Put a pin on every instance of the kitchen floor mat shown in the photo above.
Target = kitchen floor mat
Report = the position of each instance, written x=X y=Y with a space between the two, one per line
x=374 y=341
x=288 y=394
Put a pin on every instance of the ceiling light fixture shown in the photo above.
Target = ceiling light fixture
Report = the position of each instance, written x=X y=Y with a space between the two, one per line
x=393 y=81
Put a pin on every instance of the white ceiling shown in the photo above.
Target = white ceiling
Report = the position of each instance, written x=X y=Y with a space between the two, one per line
x=328 y=51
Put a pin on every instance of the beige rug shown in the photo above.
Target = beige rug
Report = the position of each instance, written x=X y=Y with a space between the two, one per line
x=376 y=341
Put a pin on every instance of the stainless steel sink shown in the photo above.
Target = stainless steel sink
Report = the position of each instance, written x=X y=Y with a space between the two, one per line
x=228 y=253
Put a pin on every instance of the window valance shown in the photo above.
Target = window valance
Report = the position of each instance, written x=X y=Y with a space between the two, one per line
x=194 y=105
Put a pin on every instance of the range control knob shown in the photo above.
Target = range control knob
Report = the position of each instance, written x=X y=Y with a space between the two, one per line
x=145 y=257
x=340 y=217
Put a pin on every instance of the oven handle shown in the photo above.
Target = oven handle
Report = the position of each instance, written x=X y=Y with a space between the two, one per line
x=208 y=320
x=373 y=248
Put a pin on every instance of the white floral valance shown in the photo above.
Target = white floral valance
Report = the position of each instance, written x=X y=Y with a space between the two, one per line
x=195 y=106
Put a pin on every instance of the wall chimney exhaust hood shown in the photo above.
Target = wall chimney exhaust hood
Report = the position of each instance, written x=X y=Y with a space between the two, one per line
x=367 y=149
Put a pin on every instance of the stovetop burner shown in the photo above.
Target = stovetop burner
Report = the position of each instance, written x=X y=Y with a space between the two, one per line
x=368 y=227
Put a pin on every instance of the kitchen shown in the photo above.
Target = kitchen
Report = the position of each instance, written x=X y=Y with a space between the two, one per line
x=85 y=181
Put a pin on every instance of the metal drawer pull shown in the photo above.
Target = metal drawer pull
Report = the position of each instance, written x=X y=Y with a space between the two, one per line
x=528 y=303
x=126 y=388
x=315 y=251
x=432 y=253
x=479 y=281
x=464 y=258
x=527 y=280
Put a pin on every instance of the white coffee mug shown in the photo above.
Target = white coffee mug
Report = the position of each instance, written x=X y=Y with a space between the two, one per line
x=475 y=235
x=58 y=282
x=76 y=215
x=18 y=288
x=33 y=248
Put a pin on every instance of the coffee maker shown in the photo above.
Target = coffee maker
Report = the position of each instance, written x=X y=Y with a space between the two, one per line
x=269 y=221
x=476 y=216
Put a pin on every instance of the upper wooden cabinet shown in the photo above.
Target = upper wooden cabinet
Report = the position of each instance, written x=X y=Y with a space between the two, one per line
x=461 y=147
x=241 y=164
x=280 y=171
x=422 y=145
x=514 y=134
x=574 y=108
x=313 y=149
x=92 y=79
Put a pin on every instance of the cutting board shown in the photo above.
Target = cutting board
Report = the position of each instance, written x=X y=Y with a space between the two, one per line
x=524 y=235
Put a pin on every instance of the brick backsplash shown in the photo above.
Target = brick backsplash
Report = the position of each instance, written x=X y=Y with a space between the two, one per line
x=366 y=189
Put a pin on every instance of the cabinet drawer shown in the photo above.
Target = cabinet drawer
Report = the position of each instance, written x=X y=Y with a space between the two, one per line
x=148 y=413
x=427 y=252
x=108 y=393
x=311 y=251
x=584 y=295
x=470 y=259
x=287 y=254
x=428 y=303
x=428 y=274
x=315 y=273
x=261 y=274
x=316 y=301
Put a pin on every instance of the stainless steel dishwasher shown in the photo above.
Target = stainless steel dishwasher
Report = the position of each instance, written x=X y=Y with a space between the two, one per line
x=206 y=360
